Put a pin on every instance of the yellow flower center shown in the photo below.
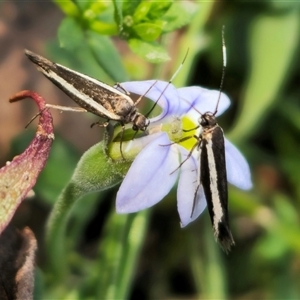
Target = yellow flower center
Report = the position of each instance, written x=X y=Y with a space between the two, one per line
x=181 y=131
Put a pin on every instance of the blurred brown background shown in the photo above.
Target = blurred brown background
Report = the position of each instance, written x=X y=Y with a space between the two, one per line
x=32 y=26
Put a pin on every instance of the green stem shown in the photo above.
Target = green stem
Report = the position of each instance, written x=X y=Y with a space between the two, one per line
x=55 y=233
x=132 y=244
x=118 y=253
x=215 y=285
x=196 y=262
x=206 y=265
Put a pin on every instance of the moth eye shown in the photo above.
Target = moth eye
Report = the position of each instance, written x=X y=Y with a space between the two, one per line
x=204 y=122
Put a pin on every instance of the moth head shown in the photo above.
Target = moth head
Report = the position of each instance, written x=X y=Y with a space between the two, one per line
x=140 y=122
x=208 y=119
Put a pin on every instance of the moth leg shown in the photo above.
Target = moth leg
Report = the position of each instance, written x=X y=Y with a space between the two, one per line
x=100 y=123
x=198 y=145
x=121 y=141
x=180 y=141
x=189 y=155
x=118 y=85
x=185 y=138
x=195 y=199
x=105 y=124
x=136 y=132
x=188 y=130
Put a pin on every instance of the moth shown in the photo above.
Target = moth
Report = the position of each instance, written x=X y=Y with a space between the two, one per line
x=213 y=177
x=95 y=96
x=91 y=94
x=212 y=169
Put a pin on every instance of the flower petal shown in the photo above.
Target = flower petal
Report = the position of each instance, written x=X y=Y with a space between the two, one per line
x=149 y=178
x=187 y=184
x=238 y=171
x=195 y=100
x=133 y=147
x=168 y=99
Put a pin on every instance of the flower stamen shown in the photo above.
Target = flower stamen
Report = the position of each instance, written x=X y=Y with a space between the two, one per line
x=178 y=135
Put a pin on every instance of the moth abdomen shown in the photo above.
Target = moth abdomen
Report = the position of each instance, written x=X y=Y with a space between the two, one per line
x=224 y=237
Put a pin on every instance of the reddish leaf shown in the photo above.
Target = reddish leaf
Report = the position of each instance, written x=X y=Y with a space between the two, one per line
x=19 y=176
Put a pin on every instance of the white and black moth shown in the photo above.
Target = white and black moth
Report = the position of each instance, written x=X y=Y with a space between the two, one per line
x=213 y=177
x=212 y=170
x=91 y=95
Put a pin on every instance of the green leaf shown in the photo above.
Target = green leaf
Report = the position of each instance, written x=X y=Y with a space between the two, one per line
x=174 y=20
x=70 y=34
x=103 y=28
x=130 y=6
x=274 y=39
x=118 y=12
x=68 y=7
x=79 y=59
x=160 y=8
x=148 y=31
x=99 y=17
x=100 y=7
x=78 y=53
x=83 y=5
x=107 y=56
x=141 y=11
x=152 y=52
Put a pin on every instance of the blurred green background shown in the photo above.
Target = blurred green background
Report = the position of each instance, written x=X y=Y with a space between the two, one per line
x=262 y=80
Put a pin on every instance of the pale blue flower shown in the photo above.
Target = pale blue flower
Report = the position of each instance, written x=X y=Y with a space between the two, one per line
x=155 y=169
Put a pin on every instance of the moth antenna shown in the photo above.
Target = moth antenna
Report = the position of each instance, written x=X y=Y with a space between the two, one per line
x=180 y=66
x=169 y=82
x=192 y=106
x=142 y=96
x=224 y=68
